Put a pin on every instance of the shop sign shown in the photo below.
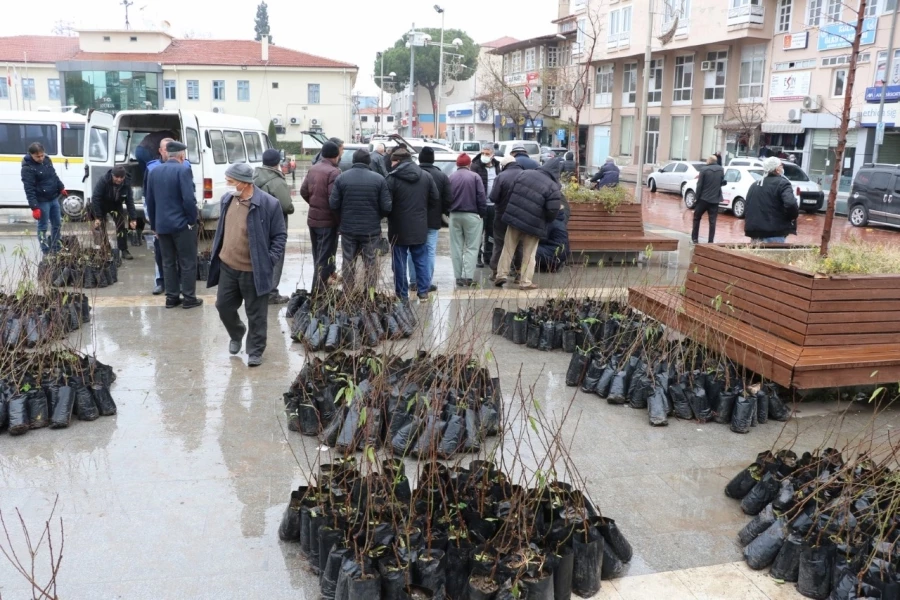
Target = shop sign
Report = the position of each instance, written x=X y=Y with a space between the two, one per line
x=793 y=85
x=892 y=94
x=869 y=115
x=795 y=41
x=840 y=35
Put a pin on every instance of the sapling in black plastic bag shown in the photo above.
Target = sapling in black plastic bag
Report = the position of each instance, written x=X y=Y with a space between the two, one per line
x=592 y=378
x=38 y=408
x=760 y=553
x=742 y=417
x=18 y=414
x=757 y=525
x=578 y=366
x=761 y=494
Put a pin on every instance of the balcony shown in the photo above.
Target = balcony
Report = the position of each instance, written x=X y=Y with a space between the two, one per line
x=615 y=41
x=681 y=30
x=746 y=16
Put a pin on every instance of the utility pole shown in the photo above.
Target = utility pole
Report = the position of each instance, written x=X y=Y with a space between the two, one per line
x=645 y=91
x=126 y=4
x=381 y=95
x=413 y=39
x=440 y=92
x=887 y=77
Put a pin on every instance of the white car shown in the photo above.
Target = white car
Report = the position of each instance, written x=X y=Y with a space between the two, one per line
x=809 y=194
x=734 y=193
x=673 y=176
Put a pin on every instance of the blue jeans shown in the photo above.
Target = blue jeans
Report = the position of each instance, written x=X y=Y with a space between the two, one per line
x=401 y=255
x=431 y=243
x=770 y=240
x=51 y=217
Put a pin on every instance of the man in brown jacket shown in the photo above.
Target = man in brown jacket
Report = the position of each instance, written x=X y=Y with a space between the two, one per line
x=322 y=221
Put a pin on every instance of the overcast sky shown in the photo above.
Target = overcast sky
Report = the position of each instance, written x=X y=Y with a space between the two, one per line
x=347 y=30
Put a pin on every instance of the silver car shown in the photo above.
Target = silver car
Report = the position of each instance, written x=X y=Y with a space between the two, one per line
x=673 y=176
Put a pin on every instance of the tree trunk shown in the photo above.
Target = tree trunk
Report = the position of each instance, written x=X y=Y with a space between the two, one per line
x=577 y=138
x=434 y=110
x=842 y=132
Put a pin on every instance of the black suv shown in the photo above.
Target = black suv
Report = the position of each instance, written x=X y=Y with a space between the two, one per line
x=875 y=196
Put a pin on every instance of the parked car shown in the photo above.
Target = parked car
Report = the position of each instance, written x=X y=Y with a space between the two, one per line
x=473 y=149
x=673 y=176
x=532 y=148
x=734 y=193
x=808 y=192
x=875 y=196
x=546 y=151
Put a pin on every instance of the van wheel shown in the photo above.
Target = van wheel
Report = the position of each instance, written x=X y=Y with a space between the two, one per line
x=73 y=207
x=738 y=207
x=859 y=216
x=652 y=185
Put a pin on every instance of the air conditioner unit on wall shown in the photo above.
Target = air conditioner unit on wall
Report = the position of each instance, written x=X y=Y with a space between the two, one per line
x=295 y=120
x=218 y=109
x=812 y=103
x=708 y=65
x=794 y=115
x=276 y=120
x=313 y=122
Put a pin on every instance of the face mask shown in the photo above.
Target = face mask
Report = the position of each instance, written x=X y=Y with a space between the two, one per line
x=486 y=159
x=231 y=189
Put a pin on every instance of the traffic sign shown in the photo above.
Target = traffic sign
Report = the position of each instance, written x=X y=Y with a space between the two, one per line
x=560 y=134
x=879 y=134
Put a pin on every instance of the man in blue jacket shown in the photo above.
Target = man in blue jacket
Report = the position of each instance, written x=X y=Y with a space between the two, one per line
x=249 y=242
x=43 y=189
x=171 y=208
x=157 y=255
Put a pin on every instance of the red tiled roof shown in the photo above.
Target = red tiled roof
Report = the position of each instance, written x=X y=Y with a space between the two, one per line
x=499 y=43
x=179 y=52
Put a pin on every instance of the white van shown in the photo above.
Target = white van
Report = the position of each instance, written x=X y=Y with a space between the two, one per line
x=532 y=148
x=214 y=141
x=62 y=135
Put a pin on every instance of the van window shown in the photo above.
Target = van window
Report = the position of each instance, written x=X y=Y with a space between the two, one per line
x=73 y=140
x=880 y=181
x=794 y=173
x=217 y=143
x=532 y=149
x=99 y=148
x=254 y=148
x=16 y=137
x=234 y=145
x=863 y=178
x=266 y=142
x=193 y=146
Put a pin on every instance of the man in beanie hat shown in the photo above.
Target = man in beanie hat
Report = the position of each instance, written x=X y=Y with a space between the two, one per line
x=171 y=208
x=270 y=179
x=337 y=142
x=510 y=171
x=771 y=213
x=413 y=193
x=249 y=241
x=322 y=221
x=360 y=198
x=467 y=209
x=435 y=215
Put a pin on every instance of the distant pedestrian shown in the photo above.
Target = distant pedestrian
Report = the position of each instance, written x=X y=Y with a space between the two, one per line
x=112 y=196
x=500 y=193
x=467 y=211
x=43 y=188
x=249 y=242
x=361 y=199
x=376 y=160
x=534 y=202
x=607 y=174
x=149 y=148
x=708 y=193
x=569 y=170
x=270 y=179
x=718 y=156
x=157 y=251
x=521 y=155
x=435 y=215
x=771 y=212
x=322 y=221
x=171 y=207
x=487 y=167
x=413 y=192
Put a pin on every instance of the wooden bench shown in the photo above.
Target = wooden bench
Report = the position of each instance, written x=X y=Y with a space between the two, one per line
x=594 y=229
x=789 y=325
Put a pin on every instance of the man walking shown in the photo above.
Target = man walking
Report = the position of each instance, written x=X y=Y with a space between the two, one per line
x=709 y=195
x=172 y=211
x=322 y=221
x=43 y=188
x=270 y=180
x=157 y=252
x=467 y=211
x=413 y=193
x=486 y=166
x=500 y=193
x=771 y=213
x=377 y=161
x=534 y=202
x=112 y=195
x=361 y=199
x=249 y=241
x=435 y=215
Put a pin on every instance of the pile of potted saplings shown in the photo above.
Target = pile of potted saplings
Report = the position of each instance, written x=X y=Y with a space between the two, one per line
x=29 y=319
x=80 y=267
x=336 y=321
x=826 y=521
x=633 y=363
x=373 y=527
x=45 y=388
x=408 y=405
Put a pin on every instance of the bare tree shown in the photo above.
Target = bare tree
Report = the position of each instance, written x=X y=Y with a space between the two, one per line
x=577 y=77
x=523 y=103
x=63 y=27
x=24 y=560
x=746 y=118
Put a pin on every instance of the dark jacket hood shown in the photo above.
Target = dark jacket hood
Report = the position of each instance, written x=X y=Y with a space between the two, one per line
x=27 y=160
x=552 y=168
x=407 y=171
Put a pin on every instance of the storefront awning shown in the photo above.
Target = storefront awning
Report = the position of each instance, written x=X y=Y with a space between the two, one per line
x=737 y=125
x=782 y=127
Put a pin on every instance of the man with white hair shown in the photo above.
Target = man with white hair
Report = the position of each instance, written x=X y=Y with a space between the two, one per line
x=377 y=161
x=607 y=174
x=771 y=212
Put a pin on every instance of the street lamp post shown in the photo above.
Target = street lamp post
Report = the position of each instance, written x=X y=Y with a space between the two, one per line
x=380 y=56
x=437 y=116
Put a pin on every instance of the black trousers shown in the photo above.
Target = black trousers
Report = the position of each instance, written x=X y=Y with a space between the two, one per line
x=713 y=211
x=236 y=288
x=353 y=246
x=324 y=246
x=179 y=250
x=120 y=218
x=486 y=255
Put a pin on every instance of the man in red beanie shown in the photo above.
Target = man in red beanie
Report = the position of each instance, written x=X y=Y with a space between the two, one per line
x=467 y=209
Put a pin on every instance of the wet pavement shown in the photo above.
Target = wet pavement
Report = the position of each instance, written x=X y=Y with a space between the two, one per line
x=180 y=495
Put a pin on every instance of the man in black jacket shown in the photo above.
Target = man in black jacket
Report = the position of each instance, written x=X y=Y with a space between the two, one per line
x=43 y=187
x=413 y=193
x=708 y=192
x=435 y=212
x=360 y=197
x=487 y=167
x=511 y=169
x=771 y=213
x=113 y=196
x=534 y=202
x=376 y=162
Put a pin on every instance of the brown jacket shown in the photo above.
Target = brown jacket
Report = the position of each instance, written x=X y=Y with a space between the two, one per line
x=316 y=190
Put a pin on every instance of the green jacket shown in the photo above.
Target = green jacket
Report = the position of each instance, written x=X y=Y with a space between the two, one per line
x=271 y=180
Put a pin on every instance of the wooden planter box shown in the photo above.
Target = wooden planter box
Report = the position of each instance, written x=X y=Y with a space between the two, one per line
x=592 y=228
x=795 y=327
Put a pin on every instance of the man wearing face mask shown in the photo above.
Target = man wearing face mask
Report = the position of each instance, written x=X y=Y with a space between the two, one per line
x=249 y=242
x=487 y=167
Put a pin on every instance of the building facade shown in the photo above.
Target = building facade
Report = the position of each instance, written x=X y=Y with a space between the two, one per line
x=147 y=69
